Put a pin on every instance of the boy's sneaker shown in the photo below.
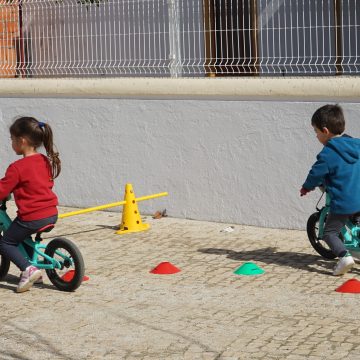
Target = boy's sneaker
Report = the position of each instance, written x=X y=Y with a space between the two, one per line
x=344 y=265
x=27 y=279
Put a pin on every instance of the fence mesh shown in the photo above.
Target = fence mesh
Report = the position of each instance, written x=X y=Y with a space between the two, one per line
x=43 y=38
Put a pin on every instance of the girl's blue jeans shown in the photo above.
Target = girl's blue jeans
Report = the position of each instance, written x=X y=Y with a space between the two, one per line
x=17 y=232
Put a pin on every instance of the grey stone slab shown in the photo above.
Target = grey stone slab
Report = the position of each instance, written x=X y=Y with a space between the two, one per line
x=203 y=312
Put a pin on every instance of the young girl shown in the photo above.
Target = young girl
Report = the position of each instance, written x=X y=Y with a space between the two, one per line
x=30 y=179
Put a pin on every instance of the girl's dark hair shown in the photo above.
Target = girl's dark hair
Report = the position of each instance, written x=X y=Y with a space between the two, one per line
x=38 y=133
x=331 y=117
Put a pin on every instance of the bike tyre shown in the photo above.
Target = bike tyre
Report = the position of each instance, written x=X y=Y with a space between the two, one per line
x=313 y=237
x=72 y=249
x=4 y=266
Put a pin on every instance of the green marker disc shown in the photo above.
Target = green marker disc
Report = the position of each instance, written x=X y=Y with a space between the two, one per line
x=249 y=268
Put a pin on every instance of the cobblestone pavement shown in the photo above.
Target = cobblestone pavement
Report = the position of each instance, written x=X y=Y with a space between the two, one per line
x=203 y=312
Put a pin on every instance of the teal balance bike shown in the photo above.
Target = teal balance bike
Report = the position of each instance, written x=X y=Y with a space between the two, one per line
x=349 y=234
x=61 y=258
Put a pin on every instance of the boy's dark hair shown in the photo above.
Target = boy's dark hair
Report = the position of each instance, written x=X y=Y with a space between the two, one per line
x=331 y=117
x=38 y=133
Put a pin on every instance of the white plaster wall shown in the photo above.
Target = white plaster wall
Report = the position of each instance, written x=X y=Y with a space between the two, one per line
x=230 y=161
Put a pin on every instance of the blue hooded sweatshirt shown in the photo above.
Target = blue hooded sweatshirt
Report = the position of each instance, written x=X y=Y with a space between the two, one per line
x=338 y=167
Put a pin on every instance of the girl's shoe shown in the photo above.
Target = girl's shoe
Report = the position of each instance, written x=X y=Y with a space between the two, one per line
x=27 y=279
x=344 y=265
x=39 y=281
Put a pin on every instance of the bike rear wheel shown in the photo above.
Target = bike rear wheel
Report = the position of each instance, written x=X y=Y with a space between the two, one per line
x=319 y=245
x=4 y=266
x=71 y=274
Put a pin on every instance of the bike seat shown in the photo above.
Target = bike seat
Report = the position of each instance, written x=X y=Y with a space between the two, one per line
x=46 y=228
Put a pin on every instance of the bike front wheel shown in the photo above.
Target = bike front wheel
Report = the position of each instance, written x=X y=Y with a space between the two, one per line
x=71 y=274
x=319 y=245
x=4 y=266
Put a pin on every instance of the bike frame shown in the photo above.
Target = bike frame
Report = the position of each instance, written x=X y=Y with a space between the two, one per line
x=47 y=261
x=350 y=232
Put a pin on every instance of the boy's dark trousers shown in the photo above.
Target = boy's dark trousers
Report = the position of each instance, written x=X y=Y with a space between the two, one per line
x=17 y=232
x=333 y=225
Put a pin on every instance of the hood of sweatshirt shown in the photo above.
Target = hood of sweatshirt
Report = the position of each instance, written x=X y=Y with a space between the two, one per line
x=347 y=147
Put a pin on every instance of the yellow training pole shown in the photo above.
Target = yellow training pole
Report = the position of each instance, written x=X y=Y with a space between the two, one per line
x=110 y=205
x=95 y=208
x=148 y=197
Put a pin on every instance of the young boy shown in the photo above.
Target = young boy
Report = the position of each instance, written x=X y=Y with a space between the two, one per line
x=338 y=168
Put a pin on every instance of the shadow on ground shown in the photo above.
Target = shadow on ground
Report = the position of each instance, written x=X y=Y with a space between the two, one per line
x=11 y=282
x=34 y=341
x=98 y=228
x=270 y=255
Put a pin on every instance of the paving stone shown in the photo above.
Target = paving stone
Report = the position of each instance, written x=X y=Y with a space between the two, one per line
x=204 y=312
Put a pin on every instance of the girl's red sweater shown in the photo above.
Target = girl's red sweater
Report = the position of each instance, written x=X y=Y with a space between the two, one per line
x=30 y=180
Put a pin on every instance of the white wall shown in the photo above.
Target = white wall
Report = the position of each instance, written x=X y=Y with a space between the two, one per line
x=232 y=161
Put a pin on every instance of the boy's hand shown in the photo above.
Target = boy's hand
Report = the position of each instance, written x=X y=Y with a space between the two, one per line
x=304 y=191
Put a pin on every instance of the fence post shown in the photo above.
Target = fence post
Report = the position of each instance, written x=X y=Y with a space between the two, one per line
x=338 y=36
x=254 y=37
x=174 y=38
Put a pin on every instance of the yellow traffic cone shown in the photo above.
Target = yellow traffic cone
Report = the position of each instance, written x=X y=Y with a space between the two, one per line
x=131 y=220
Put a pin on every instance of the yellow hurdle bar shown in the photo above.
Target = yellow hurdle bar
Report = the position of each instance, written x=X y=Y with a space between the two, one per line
x=110 y=205
x=148 y=197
